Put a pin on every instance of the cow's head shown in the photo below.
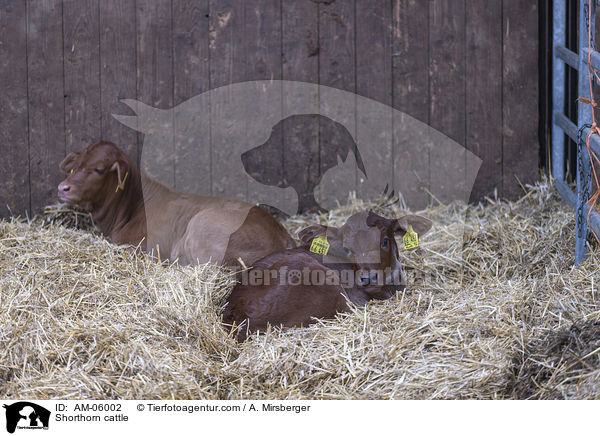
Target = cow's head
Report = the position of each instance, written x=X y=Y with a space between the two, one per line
x=367 y=242
x=99 y=171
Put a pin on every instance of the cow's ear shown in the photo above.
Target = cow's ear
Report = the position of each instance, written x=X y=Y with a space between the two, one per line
x=378 y=221
x=67 y=164
x=419 y=224
x=309 y=233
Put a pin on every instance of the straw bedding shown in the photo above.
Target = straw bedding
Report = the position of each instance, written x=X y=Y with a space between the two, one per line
x=498 y=313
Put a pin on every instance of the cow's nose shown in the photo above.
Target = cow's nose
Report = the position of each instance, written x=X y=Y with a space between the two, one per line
x=64 y=187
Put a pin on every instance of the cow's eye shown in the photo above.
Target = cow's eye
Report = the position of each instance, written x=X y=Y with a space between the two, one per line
x=100 y=170
x=385 y=242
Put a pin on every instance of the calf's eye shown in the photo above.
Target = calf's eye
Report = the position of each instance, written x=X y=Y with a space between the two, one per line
x=385 y=242
x=100 y=170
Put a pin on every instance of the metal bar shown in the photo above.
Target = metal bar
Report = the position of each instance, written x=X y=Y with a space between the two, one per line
x=595 y=62
x=594 y=58
x=594 y=143
x=565 y=192
x=567 y=56
x=594 y=219
x=571 y=199
x=571 y=130
x=558 y=87
x=586 y=25
x=566 y=125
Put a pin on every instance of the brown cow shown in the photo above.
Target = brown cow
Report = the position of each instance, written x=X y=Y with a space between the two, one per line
x=129 y=207
x=292 y=287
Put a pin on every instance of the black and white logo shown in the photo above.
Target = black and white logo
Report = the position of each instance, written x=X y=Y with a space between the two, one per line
x=26 y=415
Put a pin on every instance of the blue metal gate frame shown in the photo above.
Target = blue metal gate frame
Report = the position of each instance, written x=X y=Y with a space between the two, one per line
x=561 y=123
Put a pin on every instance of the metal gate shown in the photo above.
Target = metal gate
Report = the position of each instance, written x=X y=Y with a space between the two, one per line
x=580 y=61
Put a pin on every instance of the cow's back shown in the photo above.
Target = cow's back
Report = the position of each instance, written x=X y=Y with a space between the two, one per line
x=197 y=229
x=259 y=235
x=287 y=299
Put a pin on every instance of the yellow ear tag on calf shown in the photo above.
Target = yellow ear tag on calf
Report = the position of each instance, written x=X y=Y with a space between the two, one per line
x=320 y=245
x=121 y=186
x=410 y=239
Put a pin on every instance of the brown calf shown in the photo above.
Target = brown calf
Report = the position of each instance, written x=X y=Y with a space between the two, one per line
x=129 y=207
x=290 y=288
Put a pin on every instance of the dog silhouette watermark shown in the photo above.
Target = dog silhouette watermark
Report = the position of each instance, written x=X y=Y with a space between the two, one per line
x=26 y=415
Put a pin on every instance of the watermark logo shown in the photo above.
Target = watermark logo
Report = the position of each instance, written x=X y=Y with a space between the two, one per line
x=24 y=415
x=296 y=146
x=286 y=143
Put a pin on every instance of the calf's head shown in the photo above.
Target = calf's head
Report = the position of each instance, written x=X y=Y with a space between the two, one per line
x=366 y=244
x=99 y=171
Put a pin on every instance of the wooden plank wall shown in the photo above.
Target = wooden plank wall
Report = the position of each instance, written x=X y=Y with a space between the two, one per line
x=468 y=69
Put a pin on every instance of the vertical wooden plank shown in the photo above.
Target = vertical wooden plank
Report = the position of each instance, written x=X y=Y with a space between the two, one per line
x=46 y=99
x=300 y=62
x=262 y=30
x=118 y=70
x=337 y=35
x=374 y=50
x=410 y=89
x=447 y=91
x=155 y=82
x=484 y=94
x=190 y=36
x=227 y=65
x=191 y=78
x=374 y=80
x=155 y=53
x=14 y=166
x=226 y=42
x=300 y=41
x=337 y=68
x=262 y=41
x=81 y=46
x=520 y=96
x=410 y=65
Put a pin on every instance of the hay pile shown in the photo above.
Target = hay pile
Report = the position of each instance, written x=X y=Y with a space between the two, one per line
x=81 y=318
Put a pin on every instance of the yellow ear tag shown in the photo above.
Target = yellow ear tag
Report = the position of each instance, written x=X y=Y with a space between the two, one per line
x=410 y=239
x=320 y=245
x=122 y=185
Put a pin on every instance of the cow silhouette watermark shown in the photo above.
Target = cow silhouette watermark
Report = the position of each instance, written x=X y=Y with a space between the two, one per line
x=298 y=146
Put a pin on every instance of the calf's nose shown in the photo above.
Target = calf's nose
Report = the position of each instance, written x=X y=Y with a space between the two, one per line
x=64 y=187
x=368 y=278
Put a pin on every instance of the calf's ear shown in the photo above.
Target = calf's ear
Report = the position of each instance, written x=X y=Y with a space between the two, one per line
x=67 y=164
x=419 y=224
x=313 y=231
